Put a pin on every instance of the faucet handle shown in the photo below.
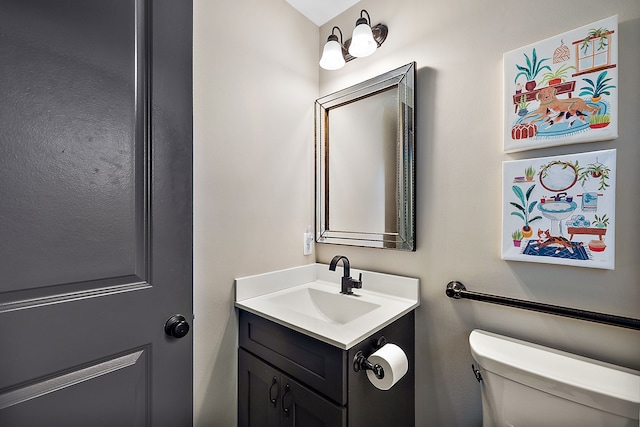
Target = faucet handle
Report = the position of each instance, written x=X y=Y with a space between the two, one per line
x=358 y=283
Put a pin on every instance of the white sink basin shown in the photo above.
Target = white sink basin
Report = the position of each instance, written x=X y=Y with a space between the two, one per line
x=325 y=306
x=557 y=210
x=308 y=300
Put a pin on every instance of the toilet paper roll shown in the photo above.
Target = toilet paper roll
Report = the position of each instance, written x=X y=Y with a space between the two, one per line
x=394 y=362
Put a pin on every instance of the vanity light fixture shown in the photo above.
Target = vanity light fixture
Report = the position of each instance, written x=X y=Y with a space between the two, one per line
x=332 y=54
x=364 y=41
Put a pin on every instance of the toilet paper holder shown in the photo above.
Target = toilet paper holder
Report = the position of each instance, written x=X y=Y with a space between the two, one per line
x=360 y=362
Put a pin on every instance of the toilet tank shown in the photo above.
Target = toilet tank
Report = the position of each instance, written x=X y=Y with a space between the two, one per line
x=528 y=385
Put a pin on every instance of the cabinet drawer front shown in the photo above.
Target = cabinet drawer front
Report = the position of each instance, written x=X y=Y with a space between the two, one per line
x=321 y=366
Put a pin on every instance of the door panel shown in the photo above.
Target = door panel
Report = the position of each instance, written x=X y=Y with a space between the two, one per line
x=47 y=402
x=95 y=211
x=70 y=146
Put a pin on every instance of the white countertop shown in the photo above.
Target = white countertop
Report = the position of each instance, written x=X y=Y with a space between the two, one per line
x=266 y=295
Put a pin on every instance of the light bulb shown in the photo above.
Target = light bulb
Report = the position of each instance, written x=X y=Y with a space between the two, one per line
x=332 y=58
x=362 y=42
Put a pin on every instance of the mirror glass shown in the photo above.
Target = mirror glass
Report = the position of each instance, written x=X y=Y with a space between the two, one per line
x=365 y=163
x=558 y=176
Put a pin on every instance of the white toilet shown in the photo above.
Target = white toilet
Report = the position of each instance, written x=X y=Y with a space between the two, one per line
x=527 y=385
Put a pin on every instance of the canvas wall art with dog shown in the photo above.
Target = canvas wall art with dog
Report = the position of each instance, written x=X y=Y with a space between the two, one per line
x=563 y=90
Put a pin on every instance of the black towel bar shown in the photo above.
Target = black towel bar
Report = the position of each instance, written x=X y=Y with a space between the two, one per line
x=457 y=290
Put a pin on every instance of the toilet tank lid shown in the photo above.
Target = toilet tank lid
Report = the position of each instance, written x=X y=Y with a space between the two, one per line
x=591 y=382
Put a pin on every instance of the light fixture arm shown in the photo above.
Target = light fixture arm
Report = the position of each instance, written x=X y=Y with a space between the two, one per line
x=333 y=34
x=364 y=20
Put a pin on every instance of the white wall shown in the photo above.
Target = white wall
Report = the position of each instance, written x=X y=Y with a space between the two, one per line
x=255 y=79
x=458 y=47
x=253 y=175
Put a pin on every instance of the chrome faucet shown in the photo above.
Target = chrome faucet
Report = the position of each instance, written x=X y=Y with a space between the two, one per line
x=347 y=282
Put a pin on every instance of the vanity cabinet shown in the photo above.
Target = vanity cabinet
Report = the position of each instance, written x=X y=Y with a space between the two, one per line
x=287 y=378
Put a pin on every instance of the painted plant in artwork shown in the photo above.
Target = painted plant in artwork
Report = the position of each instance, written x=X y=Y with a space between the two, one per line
x=563 y=90
x=560 y=210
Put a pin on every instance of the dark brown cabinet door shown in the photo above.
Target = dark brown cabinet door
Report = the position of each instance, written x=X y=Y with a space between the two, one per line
x=268 y=398
x=259 y=392
x=304 y=408
x=95 y=212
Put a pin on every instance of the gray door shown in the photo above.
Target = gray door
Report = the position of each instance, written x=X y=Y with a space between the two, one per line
x=95 y=212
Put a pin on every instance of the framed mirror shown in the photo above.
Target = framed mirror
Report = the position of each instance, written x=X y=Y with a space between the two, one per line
x=365 y=165
x=558 y=176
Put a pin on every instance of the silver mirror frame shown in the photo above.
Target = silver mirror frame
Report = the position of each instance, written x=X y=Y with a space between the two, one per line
x=401 y=80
